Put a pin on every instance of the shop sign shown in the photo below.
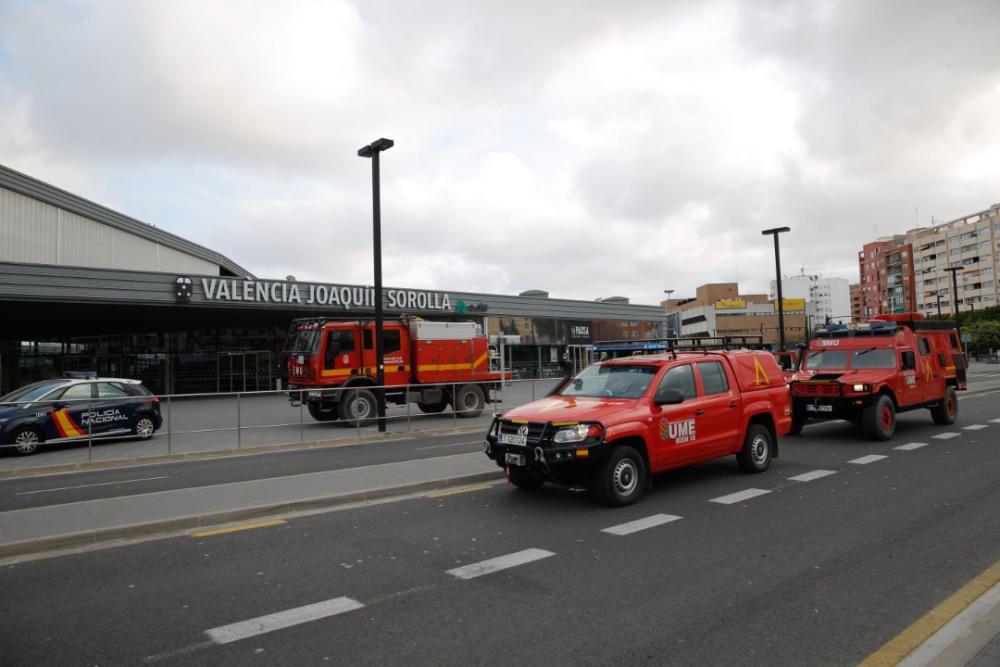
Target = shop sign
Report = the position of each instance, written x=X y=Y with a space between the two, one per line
x=577 y=332
x=730 y=304
x=793 y=304
x=309 y=294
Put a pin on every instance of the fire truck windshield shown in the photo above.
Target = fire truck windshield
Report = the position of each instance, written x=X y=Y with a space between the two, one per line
x=617 y=381
x=303 y=341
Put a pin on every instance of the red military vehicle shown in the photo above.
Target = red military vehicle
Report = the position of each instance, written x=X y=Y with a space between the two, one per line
x=332 y=367
x=869 y=372
x=619 y=421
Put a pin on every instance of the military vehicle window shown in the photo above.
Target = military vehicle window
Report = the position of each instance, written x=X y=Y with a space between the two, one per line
x=606 y=380
x=922 y=343
x=390 y=341
x=953 y=339
x=680 y=378
x=111 y=390
x=873 y=357
x=827 y=359
x=909 y=360
x=77 y=391
x=713 y=378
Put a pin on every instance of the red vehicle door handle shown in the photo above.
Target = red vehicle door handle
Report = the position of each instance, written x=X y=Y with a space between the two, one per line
x=734 y=404
x=699 y=412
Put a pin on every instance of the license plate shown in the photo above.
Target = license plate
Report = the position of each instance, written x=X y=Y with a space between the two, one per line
x=516 y=439
x=819 y=408
x=515 y=459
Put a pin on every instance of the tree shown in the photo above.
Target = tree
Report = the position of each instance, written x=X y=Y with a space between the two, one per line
x=985 y=336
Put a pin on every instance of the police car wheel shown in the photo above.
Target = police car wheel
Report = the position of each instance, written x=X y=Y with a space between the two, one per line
x=26 y=441
x=144 y=428
x=620 y=478
x=946 y=412
x=756 y=453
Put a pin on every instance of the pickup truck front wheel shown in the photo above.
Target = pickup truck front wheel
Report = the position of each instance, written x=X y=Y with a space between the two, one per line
x=620 y=478
x=756 y=453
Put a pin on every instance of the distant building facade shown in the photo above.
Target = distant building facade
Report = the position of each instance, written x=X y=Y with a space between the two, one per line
x=830 y=297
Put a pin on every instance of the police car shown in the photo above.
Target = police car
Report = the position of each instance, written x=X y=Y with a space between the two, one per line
x=71 y=408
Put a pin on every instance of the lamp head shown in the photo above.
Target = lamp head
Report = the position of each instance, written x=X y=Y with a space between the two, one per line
x=376 y=146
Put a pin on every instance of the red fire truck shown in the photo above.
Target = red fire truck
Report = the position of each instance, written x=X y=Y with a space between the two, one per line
x=869 y=372
x=332 y=367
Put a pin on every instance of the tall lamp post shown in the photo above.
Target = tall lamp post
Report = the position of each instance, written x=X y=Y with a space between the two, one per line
x=372 y=151
x=777 y=269
x=954 y=295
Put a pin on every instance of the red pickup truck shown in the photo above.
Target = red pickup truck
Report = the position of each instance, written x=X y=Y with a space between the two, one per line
x=620 y=421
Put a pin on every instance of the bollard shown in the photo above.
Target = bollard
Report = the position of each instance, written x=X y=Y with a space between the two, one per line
x=407 y=407
x=90 y=430
x=454 y=407
x=302 y=424
x=239 y=442
x=170 y=435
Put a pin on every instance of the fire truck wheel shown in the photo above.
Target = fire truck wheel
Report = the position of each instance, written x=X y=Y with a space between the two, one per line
x=946 y=412
x=469 y=400
x=756 y=453
x=798 y=422
x=879 y=419
x=524 y=478
x=620 y=478
x=321 y=414
x=432 y=408
x=358 y=408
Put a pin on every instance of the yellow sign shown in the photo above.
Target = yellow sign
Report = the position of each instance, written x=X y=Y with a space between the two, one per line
x=724 y=304
x=793 y=304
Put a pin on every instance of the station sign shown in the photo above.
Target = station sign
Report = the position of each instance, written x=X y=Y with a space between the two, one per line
x=283 y=292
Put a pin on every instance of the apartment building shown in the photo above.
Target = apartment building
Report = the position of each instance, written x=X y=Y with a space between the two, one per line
x=830 y=297
x=857 y=302
x=886 y=269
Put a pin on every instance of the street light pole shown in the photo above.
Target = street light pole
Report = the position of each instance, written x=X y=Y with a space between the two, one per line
x=937 y=293
x=372 y=151
x=777 y=269
x=954 y=295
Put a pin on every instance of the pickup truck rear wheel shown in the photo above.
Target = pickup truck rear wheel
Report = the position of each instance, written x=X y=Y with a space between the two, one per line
x=322 y=414
x=525 y=478
x=469 y=400
x=946 y=412
x=358 y=408
x=878 y=420
x=620 y=478
x=756 y=453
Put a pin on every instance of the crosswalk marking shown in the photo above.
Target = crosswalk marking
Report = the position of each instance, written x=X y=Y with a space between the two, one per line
x=865 y=460
x=739 y=496
x=640 y=524
x=283 y=619
x=814 y=474
x=911 y=446
x=499 y=563
x=946 y=436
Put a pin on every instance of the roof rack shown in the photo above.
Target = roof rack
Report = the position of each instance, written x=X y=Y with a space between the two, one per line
x=685 y=344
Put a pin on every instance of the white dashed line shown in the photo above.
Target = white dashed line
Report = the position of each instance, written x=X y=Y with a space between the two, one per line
x=911 y=446
x=283 y=619
x=946 y=436
x=975 y=427
x=810 y=476
x=733 y=498
x=641 y=524
x=865 y=460
x=500 y=563
x=995 y=421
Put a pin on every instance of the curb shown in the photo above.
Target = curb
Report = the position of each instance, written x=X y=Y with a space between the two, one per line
x=147 y=528
x=84 y=466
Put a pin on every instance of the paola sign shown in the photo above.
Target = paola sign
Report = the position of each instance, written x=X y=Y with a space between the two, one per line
x=308 y=294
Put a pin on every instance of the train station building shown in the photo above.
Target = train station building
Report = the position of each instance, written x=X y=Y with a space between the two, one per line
x=84 y=288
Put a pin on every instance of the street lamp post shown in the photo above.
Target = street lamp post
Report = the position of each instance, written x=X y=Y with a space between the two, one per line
x=777 y=269
x=954 y=295
x=372 y=151
x=937 y=293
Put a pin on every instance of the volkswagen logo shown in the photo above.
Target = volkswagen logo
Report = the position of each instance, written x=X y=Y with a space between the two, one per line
x=523 y=430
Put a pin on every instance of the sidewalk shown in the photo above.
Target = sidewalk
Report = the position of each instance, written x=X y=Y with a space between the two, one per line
x=35 y=530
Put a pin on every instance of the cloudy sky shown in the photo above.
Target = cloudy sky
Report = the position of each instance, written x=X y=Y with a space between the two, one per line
x=586 y=148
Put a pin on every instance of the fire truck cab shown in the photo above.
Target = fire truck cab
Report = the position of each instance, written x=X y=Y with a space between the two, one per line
x=868 y=373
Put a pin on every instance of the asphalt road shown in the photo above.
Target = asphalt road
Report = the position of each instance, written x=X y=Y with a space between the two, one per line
x=818 y=572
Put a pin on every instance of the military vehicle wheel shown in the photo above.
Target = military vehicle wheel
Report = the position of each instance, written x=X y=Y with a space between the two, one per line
x=469 y=400
x=879 y=419
x=26 y=440
x=358 y=408
x=321 y=414
x=525 y=478
x=620 y=478
x=756 y=453
x=946 y=412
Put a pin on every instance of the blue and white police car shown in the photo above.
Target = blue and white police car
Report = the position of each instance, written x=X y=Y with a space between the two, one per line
x=72 y=408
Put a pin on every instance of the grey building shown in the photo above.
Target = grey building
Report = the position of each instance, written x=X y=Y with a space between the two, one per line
x=83 y=287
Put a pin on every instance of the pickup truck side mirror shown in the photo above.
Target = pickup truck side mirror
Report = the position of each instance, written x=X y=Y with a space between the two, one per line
x=577 y=384
x=668 y=396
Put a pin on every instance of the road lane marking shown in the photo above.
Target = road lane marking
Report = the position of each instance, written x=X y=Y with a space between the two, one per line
x=456 y=444
x=499 y=563
x=946 y=436
x=975 y=427
x=995 y=421
x=740 y=496
x=464 y=489
x=88 y=486
x=641 y=524
x=865 y=460
x=810 y=476
x=234 y=632
x=911 y=639
x=910 y=446
x=234 y=529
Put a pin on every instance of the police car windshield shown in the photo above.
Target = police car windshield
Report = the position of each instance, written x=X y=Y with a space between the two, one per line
x=827 y=359
x=31 y=392
x=615 y=381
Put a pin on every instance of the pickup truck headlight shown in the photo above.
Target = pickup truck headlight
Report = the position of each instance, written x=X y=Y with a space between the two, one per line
x=576 y=433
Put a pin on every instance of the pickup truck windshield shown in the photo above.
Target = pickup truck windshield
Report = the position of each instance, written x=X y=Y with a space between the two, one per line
x=616 y=381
